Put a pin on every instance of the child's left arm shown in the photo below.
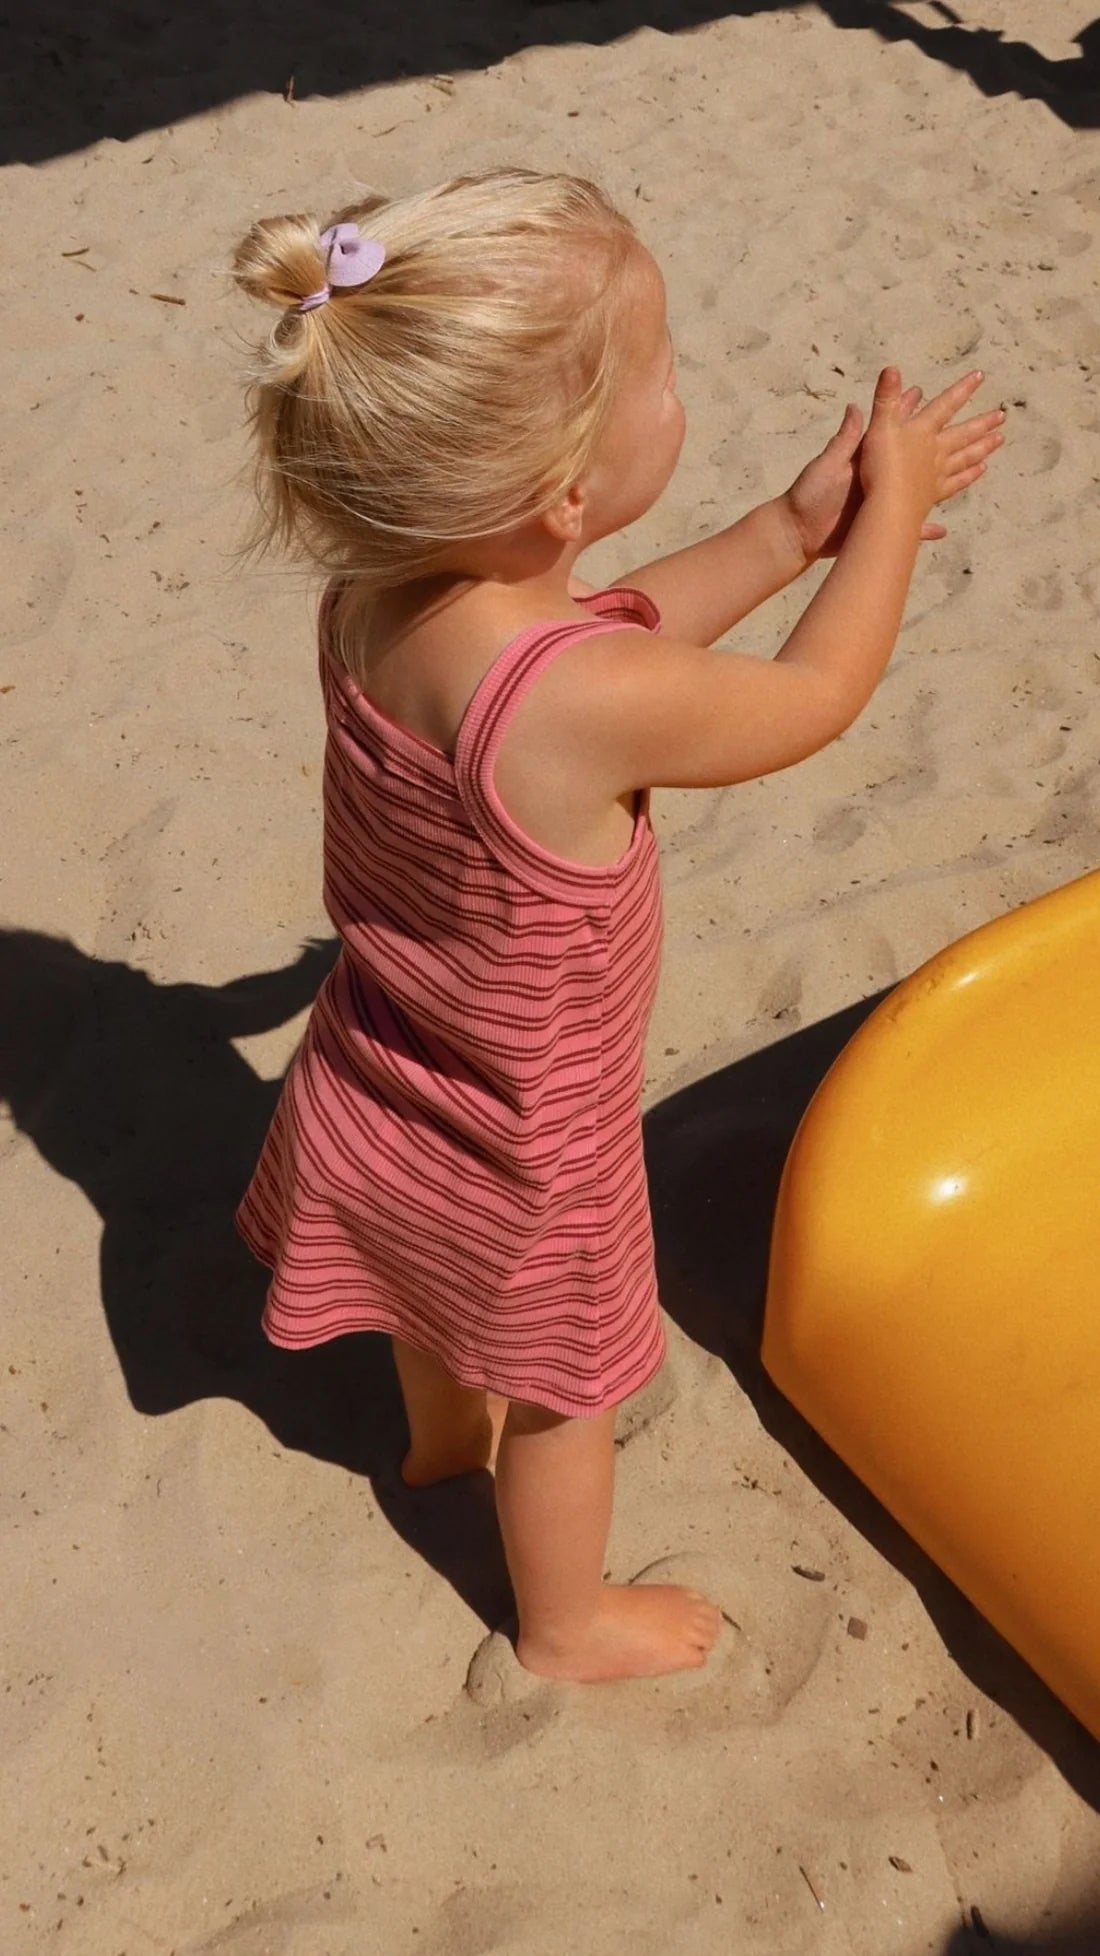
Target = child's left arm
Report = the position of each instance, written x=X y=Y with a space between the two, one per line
x=703 y=591
x=269 y=998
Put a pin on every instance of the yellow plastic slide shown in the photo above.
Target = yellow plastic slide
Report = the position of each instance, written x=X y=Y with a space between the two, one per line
x=934 y=1290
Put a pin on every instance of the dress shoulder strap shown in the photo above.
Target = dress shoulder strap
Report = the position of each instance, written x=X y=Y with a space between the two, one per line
x=489 y=715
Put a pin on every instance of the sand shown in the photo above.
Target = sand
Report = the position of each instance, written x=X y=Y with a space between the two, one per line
x=249 y=1702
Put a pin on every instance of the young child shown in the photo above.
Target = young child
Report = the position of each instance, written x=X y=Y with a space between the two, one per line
x=466 y=389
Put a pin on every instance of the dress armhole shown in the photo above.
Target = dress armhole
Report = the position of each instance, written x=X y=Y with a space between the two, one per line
x=485 y=725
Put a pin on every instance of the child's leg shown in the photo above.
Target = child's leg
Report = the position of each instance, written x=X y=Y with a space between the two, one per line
x=453 y=1429
x=554 y=1484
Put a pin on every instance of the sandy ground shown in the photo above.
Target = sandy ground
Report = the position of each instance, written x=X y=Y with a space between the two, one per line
x=240 y=1712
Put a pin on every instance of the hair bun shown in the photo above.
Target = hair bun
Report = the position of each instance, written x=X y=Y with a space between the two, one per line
x=280 y=260
x=463 y=396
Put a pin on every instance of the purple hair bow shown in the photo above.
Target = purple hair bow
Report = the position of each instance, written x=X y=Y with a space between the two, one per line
x=350 y=259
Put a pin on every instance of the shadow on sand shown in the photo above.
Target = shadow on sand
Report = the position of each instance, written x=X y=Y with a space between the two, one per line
x=135 y=1092
x=976 y=1937
x=73 y=74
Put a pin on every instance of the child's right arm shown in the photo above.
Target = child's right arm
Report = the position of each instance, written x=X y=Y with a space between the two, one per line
x=662 y=714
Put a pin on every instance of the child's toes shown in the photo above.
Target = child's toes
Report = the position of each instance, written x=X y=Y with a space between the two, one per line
x=708 y=1622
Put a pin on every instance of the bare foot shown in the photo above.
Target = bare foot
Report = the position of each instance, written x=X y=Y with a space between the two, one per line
x=642 y=1631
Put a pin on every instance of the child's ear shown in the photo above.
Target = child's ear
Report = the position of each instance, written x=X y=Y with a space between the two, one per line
x=565 y=521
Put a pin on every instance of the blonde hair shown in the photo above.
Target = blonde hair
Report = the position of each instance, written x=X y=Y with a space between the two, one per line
x=458 y=393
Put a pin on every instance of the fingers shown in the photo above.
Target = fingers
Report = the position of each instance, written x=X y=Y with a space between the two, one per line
x=942 y=408
x=969 y=450
x=961 y=452
x=980 y=427
x=850 y=431
x=947 y=405
x=974 y=451
x=963 y=481
x=888 y=388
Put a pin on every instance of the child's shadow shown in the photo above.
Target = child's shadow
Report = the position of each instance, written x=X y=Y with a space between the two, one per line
x=714 y=1154
x=135 y=1092
x=976 y=1938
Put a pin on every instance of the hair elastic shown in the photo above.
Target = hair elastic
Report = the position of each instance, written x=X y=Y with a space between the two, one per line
x=350 y=259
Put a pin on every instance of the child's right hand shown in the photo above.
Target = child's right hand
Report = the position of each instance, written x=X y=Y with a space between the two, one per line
x=914 y=454
x=641 y=710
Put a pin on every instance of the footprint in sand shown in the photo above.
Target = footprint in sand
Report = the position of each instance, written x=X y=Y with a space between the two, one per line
x=995 y=1761
x=475 y=1920
x=901 y=786
x=1042 y=593
x=751 y=339
x=839 y=828
x=1088 y=583
x=1039 y=455
x=1071 y=244
x=522 y=1705
x=1068 y=809
x=128 y=876
x=29 y=604
x=749 y=1678
x=497 y=1681
x=1073 y=329
x=781 y=997
x=957 y=337
x=1048 y=748
x=271 y=1928
x=1084 y=191
x=855 y=225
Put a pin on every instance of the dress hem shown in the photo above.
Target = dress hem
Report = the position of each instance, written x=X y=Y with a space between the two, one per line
x=375 y=1319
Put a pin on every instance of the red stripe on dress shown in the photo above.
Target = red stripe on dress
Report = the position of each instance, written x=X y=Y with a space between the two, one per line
x=456 y=1156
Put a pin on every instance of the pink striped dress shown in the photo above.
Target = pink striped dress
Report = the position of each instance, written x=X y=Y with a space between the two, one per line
x=456 y=1157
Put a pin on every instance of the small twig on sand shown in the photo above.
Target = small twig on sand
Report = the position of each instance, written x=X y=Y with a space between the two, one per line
x=810 y=1886
x=168 y=298
x=288 y=92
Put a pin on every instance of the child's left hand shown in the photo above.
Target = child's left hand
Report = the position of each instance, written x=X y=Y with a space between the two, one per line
x=823 y=500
